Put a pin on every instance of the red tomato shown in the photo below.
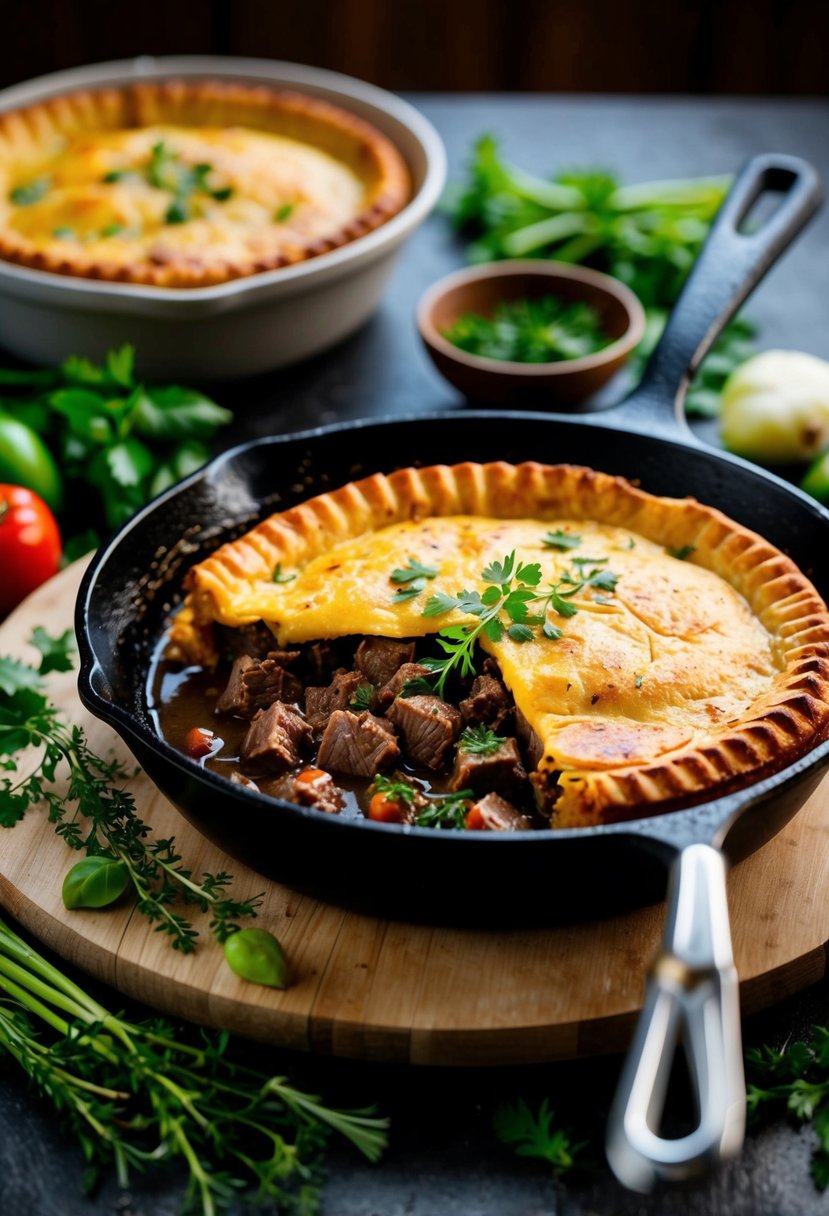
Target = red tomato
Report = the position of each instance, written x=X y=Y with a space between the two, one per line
x=30 y=547
x=385 y=810
x=475 y=820
x=199 y=742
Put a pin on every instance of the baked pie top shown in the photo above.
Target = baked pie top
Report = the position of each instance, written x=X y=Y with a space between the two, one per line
x=184 y=185
x=683 y=655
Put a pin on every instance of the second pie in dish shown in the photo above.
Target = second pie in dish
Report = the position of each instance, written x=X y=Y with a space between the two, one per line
x=652 y=652
x=187 y=184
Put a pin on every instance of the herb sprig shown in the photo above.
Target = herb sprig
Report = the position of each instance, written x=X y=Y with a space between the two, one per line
x=91 y=811
x=448 y=811
x=534 y=1135
x=548 y=330
x=795 y=1079
x=141 y=1096
x=414 y=575
x=513 y=586
x=480 y=741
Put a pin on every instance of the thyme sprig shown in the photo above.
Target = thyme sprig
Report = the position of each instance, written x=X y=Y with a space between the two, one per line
x=140 y=1096
x=91 y=810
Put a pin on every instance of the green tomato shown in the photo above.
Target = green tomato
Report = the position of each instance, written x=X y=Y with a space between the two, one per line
x=95 y=882
x=26 y=461
x=256 y=955
x=816 y=481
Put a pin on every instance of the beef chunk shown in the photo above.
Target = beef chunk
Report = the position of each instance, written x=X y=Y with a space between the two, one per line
x=531 y=745
x=320 y=703
x=321 y=793
x=322 y=659
x=409 y=671
x=275 y=739
x=379 y=658
x=429 y=727
x=500 y=815
x=255 y=640
x=488 y=703
x=358 y=744
x=255 y=684
x=501 y=771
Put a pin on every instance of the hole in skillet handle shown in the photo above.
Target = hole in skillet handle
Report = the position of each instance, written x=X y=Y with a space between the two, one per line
x=730 y=264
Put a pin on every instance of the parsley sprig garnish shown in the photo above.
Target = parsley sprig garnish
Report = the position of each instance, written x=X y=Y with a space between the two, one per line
x=363 y=697
x=501 y=597
x=513 y=587
x=561 y=540
x=535 y=1135
x=447 y=812
x=93 y=813
x=414 y=575
x=480 y=741
x=395 y=791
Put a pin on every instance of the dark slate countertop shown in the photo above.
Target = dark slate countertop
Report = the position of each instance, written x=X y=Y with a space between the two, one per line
x=444 y=1157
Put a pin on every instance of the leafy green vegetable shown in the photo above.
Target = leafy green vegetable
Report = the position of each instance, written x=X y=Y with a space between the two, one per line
x=446 y=812
x=501 y=598
x=142 y=1097
x=795 y=1079
x=480 y=740
x=30 y=192
x=95 y=882
x=83 y=795
x=256 y=955
x=414 y=574
x=548 y=330
x=561 y=540
x=535 y=1136
x=395 y=791
x=363 y=698
x=647 y=235
x=117 y=442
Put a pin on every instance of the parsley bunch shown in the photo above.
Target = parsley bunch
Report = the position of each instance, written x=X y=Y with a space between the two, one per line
x=647 y=235
x=795 y=1079
x=90 y=809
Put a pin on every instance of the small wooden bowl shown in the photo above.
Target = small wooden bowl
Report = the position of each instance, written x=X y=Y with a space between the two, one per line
x=501 y=382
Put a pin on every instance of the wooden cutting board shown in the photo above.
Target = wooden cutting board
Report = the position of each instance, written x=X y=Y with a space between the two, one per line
x=390 y=991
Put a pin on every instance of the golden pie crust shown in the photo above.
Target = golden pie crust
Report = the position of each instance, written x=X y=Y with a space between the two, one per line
x=291 y=177
x=692 y=678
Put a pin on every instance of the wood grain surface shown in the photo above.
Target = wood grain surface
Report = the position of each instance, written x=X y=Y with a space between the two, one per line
x=391 y=991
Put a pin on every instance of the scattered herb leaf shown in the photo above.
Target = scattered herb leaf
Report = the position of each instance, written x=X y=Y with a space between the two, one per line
x=363 y=698
x=683 y=552
x=561 y=540
x=279 y=577
x=535 y=1135
x=480 y=741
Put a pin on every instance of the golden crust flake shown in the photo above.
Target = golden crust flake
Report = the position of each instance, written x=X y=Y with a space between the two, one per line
x=739 y=607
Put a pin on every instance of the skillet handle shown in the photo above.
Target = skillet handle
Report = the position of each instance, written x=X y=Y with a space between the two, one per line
x=693 y=989
x=730 y=265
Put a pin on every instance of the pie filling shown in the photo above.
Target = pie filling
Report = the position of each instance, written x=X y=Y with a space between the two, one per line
x=545 y=668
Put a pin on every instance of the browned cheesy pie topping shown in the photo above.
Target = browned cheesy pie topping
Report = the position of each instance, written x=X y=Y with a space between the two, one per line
x=184 y=185
x=650 y=651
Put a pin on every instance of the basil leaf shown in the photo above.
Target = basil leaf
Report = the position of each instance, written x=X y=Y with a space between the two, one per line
x=95 y=882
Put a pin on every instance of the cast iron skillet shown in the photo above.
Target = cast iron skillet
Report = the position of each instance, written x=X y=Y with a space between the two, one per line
x=135 y=580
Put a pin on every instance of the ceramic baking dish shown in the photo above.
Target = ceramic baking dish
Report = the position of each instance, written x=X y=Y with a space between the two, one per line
x=246 y=325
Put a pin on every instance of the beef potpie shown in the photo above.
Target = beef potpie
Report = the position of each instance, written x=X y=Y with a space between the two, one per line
x=501 y=646
x=185 y=184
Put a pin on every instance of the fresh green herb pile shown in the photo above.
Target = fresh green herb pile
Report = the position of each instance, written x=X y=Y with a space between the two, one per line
x=111 y=442
x=647 y=235
x=795 y=1079
x=93 y=813
x=548 y=330
x=141 y=1096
